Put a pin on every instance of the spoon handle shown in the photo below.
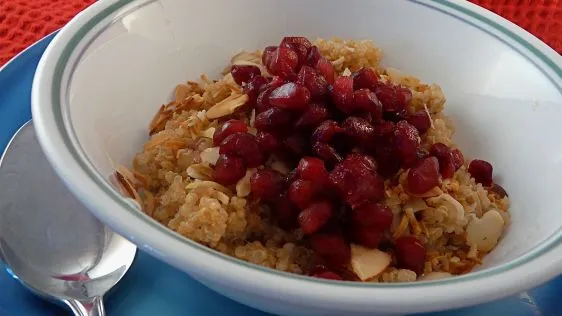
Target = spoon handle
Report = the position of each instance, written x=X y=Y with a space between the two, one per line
x=93 y=307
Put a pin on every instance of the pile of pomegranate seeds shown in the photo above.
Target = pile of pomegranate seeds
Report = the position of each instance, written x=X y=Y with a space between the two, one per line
x=343 y=136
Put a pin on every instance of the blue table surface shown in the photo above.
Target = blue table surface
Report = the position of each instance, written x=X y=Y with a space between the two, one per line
x=154 y=288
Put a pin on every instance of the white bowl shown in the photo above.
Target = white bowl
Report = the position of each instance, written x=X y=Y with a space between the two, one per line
x=104 y=75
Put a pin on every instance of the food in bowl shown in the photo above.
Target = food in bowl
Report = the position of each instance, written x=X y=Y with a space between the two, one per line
x=314 y=159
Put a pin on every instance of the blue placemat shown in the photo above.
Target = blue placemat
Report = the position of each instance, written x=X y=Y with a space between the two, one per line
x=155 y=288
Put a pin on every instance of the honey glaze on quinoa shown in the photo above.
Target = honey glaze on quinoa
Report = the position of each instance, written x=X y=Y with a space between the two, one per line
x=312 y=159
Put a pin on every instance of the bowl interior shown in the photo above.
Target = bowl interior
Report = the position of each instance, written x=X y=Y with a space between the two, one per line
x=505 y=108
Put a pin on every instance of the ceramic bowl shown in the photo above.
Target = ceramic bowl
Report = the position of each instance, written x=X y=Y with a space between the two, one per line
x=107 y=72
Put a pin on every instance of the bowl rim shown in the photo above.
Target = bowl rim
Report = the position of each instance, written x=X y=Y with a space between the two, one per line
x=57 y=138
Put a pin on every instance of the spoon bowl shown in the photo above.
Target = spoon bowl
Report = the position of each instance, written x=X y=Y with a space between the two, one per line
x=48 y=240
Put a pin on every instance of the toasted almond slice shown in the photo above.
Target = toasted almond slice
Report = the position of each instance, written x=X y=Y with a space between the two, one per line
x=346 y=72
x=455 y=210
x=208 y=184
x=210 y=155
x=485 y=232
x=209 y=132
x=243 y=185
x=181 y=92
x=200 y=172
x=367 y=263
x=227 y=106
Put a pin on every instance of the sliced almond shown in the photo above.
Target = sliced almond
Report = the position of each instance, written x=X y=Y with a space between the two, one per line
x=209 y=132
x=367 y=263
x=210 y=155
x=227 y=106
x=200 y=172
x=346 y=72
x=416 y=204
x=243 y=185
x=455 y=210
x=181 y=92
x=208 y=184
x=485 y=232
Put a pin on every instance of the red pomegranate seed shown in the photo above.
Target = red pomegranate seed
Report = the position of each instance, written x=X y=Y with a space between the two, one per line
x=342 y=94
x=326 y=68
x=367 y=236
x=290 y=96
x=481 y=171
x=365 y=78
x=316 y=215
x=363 y=161
x=314 y=82
x=267 y=142
x=457 y=157
x=420 y=120
x=326 y=131
x=313 y=56
x=266 y=184
x=407 y=141
x=301 y=193
x=403 y=95
x=366 y=100
x=331 y=247
x=229 y=169
x=253 y=87
x=283 y=63
x=326 y=152
x=244 y=146
x=313 y=116
x=243 y=73
x=299 y=45
x=371 y=214
x=356 y=182
x=388 y=161
x=424 y=176
x=262 y=101
x=444 y=156
x=285 y=213
x=359 y=129
x=394 y=100
x=276 y=82
x=272 y=120
x=313 y=169
x=328 y=275
x=228 y=128
x=267 y=55
x=410 y=253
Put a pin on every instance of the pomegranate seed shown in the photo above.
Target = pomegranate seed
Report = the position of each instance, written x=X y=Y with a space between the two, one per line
x=356 y=181
x=315 y=216
x=267 y=142
x=266 y=184
x=367 y=236
x=424 y=176
x=365 y=78
x=301 y=193
x=444 y=156
x=286 y=213
x=283 y=63
x=326 y=131
x=328 y=275
x=388 y=162
x=410 y=253
x=276 y=82
x=244 y=146
x=326 y=152
x=228 y=128
x=290 y=96
x=403 y=95
x=272 y=120
x=326 y=68
x=262 y=101
x=407 y=141
x=243 y=73
x=481 y=171
x=253 y=87
x=420 y=120
x=229 y=169
x=394 y=100
x=360 y=130
x=267 y=55
x=299 y=44
x=342 y=94
x=366 y=100
x=458 y=158
x=313 y=169
x=331 y=247
x=314 y=82
x=364 y=161
x=313 y=116
x=371 y=214
x=313 y=56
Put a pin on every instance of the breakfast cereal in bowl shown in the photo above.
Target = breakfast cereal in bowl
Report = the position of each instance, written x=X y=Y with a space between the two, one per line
x=311 y=158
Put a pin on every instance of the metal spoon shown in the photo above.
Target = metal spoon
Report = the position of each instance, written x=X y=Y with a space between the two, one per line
x=48 y=240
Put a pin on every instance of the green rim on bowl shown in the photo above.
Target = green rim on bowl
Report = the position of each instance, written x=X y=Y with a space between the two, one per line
x=444 y=6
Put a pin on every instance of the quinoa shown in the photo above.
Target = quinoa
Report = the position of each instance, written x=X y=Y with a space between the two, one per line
x=172 y=179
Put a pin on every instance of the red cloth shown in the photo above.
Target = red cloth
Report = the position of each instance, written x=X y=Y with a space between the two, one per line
x=22 y=22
